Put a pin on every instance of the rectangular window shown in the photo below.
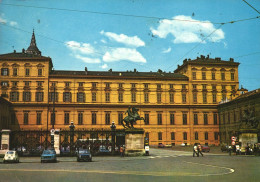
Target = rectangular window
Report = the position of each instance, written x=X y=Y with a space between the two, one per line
x=184 y=135
x=146 y=85
x=120 y=97
x=223 y=87
x=4 y=84
x=4 y=71
x=14 y=96
x=39 y=118
x=53 y=118
x=146 y=97
x=94 y=97
x=107 y=85
x=222 y=76
x=203 y=75
x=214 y=87
x=147 y=136
x=183 y=86
x=53 y=96
x=216 y=135
x=194 y=86
x=26 y=96
x=213 y=75
x=107 y=118
x=146 y=118
x=27 y=83
x=232 y=76
x=195 y=100
x=159 y=118
x=67 y=84
x=172 y=119
x=206 y=135
x=15 y=83
x=66 y=97
x=81 y=84
x=224 y=96
x=133 y=97
x=39 y=72
x=66 y=118
x=25 y=118
x=27 y=72
x=184 y=98
x=133 y=85
x=159 y=86
x=80 y=118
x=39 y=84
x=107 y=96
x=171 y=97
x=215 y=118
x=120 y=85
x=94 y=118
x=214 y=98
x=233 y=87
x=15 y=72
x=204 y=98
x=160 y=136
x=39 y=96
x=53 y=84
x=171 y=86
x=159 y=97
x=204 y=86
x=205 y=115
x=80 y=97
x=195 y=118
x=120 y=118
x=196 y=135
x=194 y=76
x=184 y=119
x=94 y=85
x=172 y=135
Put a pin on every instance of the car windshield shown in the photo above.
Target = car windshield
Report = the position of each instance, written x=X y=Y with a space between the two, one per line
x=48 y=152
x=10 y=152
x=83 y=151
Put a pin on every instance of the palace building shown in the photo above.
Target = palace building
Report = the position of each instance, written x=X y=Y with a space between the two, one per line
x=178 y=107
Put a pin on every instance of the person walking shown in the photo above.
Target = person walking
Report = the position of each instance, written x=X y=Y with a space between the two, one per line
x=121 y=151
x=200 y=150
x=195 y=150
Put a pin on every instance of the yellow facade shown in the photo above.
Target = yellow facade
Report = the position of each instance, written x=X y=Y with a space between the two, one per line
x=167 y=99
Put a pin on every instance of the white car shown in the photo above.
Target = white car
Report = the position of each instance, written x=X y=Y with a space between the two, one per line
x=11 y=156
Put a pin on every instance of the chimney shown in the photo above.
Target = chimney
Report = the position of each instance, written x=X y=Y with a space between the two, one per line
x=135 y=70
x=231 y=59
x=86 y=70
x=202 y=57
x=218 y=59
x=14 y=51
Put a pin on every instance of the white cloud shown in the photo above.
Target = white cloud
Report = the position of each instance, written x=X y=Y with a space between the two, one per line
x=82 y=48
x=167 y=50
x=13 y=23
x=2 y=20
x=104 y=66
x=121 y=54
x=103 y=41
x=188 y=31
x=87 y=59
x=225 y=45
x=134 y=41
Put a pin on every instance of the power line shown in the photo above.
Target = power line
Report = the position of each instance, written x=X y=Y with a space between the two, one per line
x=251 y=6
x=197 y=45
x=247 y=54
x=126 y=15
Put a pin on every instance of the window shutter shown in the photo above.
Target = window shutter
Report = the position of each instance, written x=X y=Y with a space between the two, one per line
x=70 y=96
x=84 y=98
x=7 y=72
x=78 y=97
x=29 y=96
x=17 y=97
x=64 y=96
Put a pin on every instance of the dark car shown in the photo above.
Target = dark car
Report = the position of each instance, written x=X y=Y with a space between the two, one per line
x=48 y=156
x=103 y=149
x=224 y=148
x=205 y=148
x=84 y=155
x=161 y=145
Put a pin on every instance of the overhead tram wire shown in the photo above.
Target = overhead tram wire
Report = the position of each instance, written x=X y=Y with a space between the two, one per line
x=196 y=45
x=63 y=43
x=247 y=54
x=125 y=15
x=251 y=6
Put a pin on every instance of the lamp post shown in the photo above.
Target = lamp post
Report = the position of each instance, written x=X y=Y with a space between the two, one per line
x=53 y=121
x=72 y=127
x=113 y=129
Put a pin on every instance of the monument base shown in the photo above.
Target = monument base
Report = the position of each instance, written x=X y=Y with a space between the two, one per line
x=248 y=139
x=134 y=142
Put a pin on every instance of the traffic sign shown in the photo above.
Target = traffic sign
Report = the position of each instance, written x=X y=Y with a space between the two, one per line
x=233 y=143
x=52 y=131
x=233 y=138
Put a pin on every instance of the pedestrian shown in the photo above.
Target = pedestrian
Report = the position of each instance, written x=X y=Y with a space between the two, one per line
x=200 y=150
x=195 y=150
x=121 y=151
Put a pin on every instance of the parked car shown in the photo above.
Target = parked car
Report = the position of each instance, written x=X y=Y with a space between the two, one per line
x=48 y=156
x=160 y=145
x=103 y=149
x=11 y=156
x=168 y=145
x=205 y=148
x=84 y=155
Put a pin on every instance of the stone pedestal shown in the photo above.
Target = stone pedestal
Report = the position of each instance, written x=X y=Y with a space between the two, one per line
x=248 y=139
x=57 y=141
x=5 y=141
x=134 y=142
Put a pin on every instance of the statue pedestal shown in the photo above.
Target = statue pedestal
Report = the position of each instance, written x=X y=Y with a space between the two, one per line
x=248 y=139
x=134 y=142
x=57 y=141
x=5 y=141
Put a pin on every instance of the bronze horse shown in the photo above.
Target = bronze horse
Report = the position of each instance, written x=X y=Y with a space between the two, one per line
x=132 y=117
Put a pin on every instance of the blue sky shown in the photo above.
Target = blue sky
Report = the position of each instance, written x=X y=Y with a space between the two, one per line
x=101 y=35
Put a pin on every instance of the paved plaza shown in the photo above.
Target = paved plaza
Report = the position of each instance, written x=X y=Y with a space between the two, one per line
x=161 y=165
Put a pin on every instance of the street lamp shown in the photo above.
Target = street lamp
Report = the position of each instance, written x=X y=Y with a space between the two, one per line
x=72 y=127
x=113 y=129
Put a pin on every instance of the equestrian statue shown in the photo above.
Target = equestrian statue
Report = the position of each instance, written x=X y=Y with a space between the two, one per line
x=132 y=117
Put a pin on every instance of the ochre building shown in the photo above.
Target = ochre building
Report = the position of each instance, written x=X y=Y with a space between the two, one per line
x=178 y=107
